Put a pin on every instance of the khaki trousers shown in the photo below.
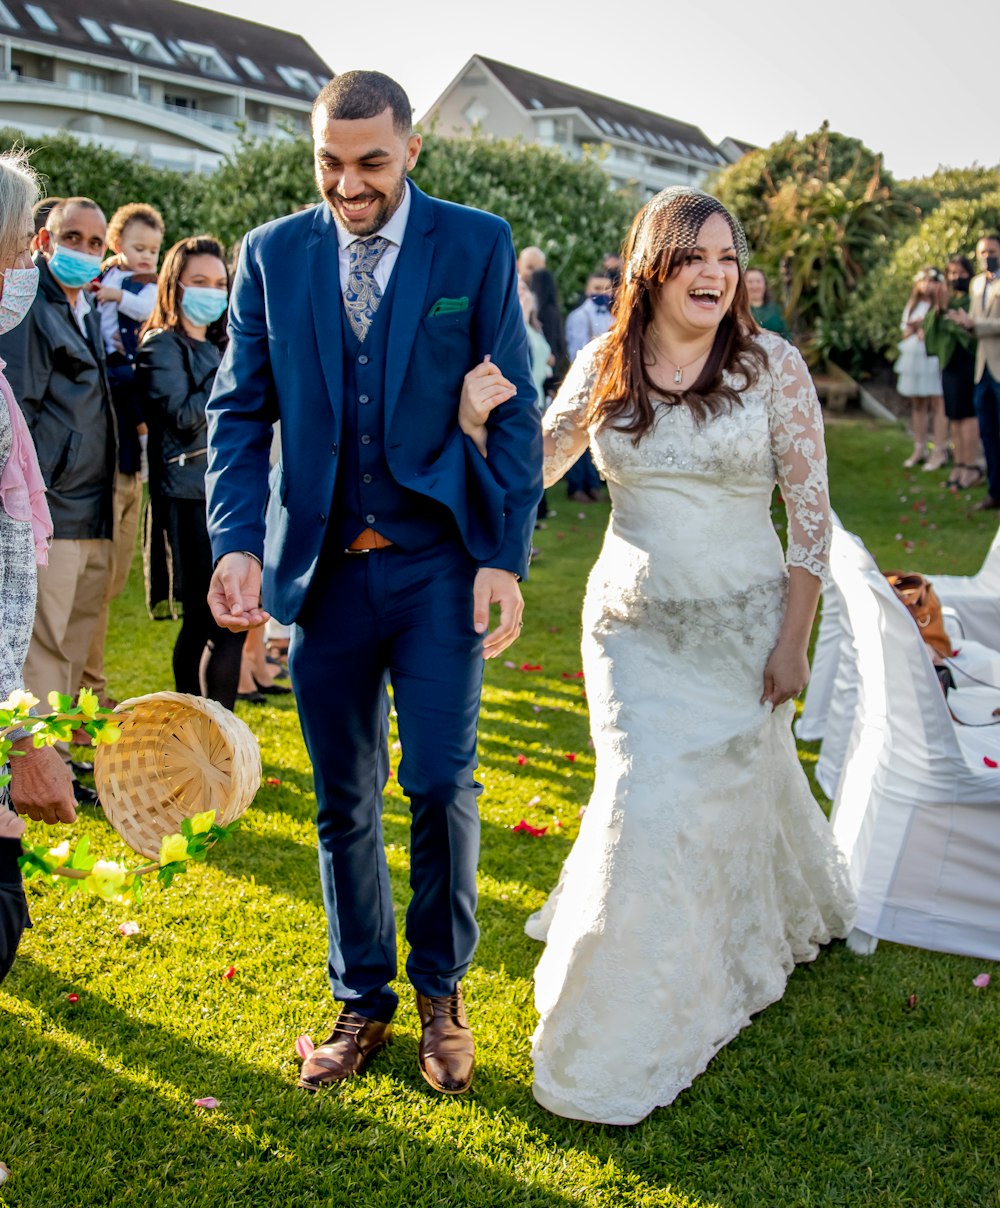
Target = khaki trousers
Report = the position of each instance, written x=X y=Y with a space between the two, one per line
x=128 y=509
x=70 y=593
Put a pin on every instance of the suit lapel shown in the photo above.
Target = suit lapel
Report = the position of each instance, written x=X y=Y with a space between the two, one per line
x=412 y=273
x=327 y=299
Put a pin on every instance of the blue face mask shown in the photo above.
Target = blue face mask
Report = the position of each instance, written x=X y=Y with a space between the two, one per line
x=202 y=305
x=73 y=269
x=601 y=301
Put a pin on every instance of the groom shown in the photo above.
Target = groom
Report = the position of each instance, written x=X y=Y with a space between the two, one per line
x=387 y=538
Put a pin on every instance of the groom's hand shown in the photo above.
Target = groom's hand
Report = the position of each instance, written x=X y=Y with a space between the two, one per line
x=234 y=593
x=494 y=586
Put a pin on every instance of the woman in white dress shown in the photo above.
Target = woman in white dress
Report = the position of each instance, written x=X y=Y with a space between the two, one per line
x=704 y=868
x=918 y=375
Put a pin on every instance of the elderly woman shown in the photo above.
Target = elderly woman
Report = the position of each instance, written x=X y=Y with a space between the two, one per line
x=41 y=785
x=704 y=869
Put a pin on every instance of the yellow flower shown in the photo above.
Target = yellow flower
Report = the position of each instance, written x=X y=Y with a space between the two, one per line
x=107 y=879
x=107 y=734
x=202 y=822
x=54 y=699
x=19 y=699
x=172 y=848
x=59 y=855
x=88 y=702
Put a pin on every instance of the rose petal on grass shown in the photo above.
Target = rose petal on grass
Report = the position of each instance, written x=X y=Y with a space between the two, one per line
x=982 y=981
x=273 y=781
x=510 y=663
x=522 y=760
x=128 y=928
x=230 y=973
x=911 y=1002
x=525 y=828
x=531 y=666
x=4 y=1173
x=73 y=998
x=990 y=763
x=208 y=1103
x=534 y=801
x=536 y=708
x=571 y=756
x=304 y=1045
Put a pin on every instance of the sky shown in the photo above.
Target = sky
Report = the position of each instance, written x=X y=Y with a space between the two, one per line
x=901 y=78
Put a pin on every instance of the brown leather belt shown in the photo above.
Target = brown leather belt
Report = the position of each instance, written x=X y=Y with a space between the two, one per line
x=367 y=542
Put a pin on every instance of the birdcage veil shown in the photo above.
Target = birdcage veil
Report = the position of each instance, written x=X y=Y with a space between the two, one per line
x=672 y=220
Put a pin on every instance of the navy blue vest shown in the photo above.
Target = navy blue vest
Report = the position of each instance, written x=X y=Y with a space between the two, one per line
x=367 y=495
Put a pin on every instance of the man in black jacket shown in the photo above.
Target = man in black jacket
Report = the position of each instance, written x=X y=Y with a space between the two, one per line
x=56 y=369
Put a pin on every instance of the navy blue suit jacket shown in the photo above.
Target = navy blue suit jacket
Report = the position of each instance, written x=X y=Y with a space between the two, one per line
x=285 y=361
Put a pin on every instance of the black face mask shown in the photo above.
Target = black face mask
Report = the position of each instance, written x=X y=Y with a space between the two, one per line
x=992 y=263
x=960 y=285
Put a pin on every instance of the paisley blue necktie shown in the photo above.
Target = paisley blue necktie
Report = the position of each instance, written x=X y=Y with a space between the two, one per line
x=362 y=294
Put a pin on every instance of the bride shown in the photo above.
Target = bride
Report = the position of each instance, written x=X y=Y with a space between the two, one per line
x=704 y=868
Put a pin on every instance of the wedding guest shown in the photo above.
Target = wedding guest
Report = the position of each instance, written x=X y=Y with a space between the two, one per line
x=178 y=358
x=955 y=349
x=540 y=355
x=767 y=314
x=125 y=294
x=549 y=312
x=529 y=261
x=983 y=320
x=589 y=320
x=56 y=368
x=40 y=785
x=40 y=212
x=919 y=375
x=704 y=868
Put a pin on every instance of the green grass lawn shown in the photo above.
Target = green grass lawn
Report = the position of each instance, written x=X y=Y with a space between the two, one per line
x=840 y=1094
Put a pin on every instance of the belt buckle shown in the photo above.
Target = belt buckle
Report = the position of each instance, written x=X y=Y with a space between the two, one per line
x=355 y=552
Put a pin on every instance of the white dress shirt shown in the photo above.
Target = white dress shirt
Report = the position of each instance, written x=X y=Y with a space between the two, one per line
x=133 y=306
x=394 y=230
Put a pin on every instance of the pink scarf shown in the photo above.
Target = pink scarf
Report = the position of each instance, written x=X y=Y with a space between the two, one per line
x=22 y=490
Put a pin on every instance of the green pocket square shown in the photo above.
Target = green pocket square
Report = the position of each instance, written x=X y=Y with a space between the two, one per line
x=448 y=306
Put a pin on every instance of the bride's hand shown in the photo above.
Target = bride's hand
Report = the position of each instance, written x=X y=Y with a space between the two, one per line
x=484 y=388
x=785 y=675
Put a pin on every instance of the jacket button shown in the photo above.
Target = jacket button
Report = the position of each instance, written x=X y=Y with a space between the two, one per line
x=369 y=519
x=363 y=398
x=363 y=359
x=366 y=440
x=333 y=449
x=366 y=478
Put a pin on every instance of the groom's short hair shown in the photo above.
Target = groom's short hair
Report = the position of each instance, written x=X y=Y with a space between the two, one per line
x=356 y=95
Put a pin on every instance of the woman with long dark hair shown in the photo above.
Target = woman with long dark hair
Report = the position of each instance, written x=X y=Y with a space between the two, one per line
x=955 y=349
x=178 y=359
x=704 y=868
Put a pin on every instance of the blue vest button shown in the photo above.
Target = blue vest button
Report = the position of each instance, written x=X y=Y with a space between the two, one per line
x=363 y=398
x=362 y=360
x=366 y=440
x=366 y=478
x=322 y=517
x=369 y=519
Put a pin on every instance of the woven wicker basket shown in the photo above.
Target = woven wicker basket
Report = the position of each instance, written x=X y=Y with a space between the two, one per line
x=178 y=755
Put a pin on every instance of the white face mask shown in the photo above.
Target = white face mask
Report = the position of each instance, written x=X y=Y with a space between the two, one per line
x=19 y=288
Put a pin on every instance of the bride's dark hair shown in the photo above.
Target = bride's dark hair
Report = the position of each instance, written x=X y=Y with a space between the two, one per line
x=661 y=240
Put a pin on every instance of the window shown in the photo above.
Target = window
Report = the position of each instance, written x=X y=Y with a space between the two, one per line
x=536 y=103
x=41 y=18
x=605 y=125
x=207 y=59
x=142 y=44
x=180 y=102
x=86 y=81
x=250 y=68
x=298 y=80
x=96 y=31
x=7 y=17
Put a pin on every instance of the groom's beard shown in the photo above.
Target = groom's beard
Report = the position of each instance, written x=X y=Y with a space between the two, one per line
x=370 y=223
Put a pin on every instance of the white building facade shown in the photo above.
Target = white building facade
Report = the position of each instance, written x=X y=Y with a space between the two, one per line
x=164 y=81
x=642 y=148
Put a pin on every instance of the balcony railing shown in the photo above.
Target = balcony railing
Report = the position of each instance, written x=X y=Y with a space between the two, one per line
x=224 y=122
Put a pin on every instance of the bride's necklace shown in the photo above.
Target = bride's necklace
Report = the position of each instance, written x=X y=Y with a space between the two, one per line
x=678 y=369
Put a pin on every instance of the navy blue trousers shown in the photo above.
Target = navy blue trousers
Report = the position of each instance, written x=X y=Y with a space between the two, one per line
x=405 y=619
x=987 y=403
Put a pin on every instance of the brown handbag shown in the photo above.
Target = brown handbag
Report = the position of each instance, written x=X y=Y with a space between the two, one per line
x=921 y=601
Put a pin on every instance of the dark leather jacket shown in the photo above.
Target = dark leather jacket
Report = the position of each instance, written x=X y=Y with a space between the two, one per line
x=174 y=377
x=58 y=376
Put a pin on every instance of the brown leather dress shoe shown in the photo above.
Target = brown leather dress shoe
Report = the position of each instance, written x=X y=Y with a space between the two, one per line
x=447 y=1051
x=355 y=1039
x=987 y=505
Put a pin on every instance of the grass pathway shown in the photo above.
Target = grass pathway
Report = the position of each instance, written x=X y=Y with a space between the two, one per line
x=838 y=1095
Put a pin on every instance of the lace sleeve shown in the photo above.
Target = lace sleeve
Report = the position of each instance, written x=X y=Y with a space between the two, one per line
x=796 y=424
x=564 y=424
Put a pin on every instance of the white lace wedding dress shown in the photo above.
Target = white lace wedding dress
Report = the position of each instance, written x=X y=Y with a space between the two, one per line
x=704 y=868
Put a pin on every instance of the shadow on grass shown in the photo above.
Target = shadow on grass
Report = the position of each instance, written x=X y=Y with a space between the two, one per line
x=267 y=1137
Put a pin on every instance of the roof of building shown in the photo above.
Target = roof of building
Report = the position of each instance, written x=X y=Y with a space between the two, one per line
x=176 y=37
x=741 y=144
x=616 y=119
